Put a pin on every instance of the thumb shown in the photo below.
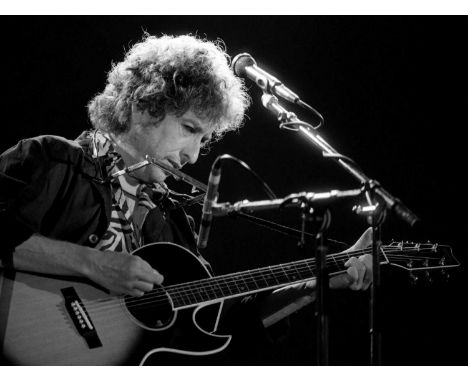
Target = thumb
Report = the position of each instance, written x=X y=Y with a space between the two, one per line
x=364 y=241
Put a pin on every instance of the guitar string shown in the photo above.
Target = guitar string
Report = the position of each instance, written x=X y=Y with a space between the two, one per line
x=109 y=314
x=234 y=278
x=154 y=305
x=188 y=287
x=178 y=290
x=228 y=287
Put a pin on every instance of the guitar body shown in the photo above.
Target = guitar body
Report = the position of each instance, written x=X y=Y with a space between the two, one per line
x=50 y=320
x=41 y=324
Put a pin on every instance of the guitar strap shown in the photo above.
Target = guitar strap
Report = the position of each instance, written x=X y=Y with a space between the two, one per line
x=153 y=229
x=7 y=278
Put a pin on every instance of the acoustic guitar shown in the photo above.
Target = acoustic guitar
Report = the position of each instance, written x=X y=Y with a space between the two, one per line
x=50 y=320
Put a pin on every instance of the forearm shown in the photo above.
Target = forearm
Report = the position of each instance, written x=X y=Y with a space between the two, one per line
x=45 y=255
x=282 y=302
x=119 y=272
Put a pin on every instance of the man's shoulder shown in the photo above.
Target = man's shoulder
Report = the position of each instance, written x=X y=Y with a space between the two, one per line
x=53 y=141
x=53 y=147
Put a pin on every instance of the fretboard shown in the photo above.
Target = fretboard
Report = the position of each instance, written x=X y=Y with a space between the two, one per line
x=248 y=282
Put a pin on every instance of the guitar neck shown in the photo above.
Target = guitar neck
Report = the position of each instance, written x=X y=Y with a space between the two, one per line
x=256 y=280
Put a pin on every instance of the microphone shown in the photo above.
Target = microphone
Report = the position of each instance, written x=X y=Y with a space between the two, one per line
x=245 y=66
x=270 y=102
x=210 y=198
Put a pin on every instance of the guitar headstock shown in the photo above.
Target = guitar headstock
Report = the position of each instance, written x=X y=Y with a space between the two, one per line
x=419 y=257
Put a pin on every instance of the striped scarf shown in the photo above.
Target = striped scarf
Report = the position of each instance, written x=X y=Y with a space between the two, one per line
x=124 y=231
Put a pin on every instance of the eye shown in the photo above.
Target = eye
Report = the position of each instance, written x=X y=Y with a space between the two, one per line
x=190 y=129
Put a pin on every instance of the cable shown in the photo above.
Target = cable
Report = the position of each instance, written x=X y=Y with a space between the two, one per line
x=265 y=186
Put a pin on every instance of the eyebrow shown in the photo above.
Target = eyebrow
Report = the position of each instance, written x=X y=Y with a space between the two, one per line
x=197 y=126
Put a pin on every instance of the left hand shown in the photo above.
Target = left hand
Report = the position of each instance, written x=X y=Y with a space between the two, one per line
x=283 y=301
x=358 y=276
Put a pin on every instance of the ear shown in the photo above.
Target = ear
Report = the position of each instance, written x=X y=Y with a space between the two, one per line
x=140 y=118
x=136 y=114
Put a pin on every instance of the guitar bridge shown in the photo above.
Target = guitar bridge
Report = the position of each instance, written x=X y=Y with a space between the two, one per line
x=80 y=317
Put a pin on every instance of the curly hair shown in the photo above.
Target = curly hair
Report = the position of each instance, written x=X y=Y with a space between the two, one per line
x=172 y=75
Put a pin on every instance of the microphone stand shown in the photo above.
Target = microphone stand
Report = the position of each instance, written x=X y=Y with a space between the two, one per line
x=374 y=212
x=314 y=212
x=320 y=219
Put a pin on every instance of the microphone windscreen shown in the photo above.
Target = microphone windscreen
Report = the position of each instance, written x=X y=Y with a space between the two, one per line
x=240 y=62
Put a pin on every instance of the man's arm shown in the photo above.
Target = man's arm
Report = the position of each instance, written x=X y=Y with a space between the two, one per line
x=284 y=301
x=118 y=272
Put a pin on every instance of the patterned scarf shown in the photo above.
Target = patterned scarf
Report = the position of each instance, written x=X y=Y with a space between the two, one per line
x=124 y=231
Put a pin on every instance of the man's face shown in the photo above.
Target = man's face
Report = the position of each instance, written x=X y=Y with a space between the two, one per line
x=174 y=140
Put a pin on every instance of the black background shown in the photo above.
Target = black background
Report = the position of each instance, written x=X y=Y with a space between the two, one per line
x=393 y=94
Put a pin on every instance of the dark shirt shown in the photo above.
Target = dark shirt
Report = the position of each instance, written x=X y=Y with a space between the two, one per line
x=54 y=187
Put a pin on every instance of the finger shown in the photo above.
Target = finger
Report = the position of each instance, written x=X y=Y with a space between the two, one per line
x=143 y=286
x=341 y=281
x=356 y=271
x=367 y=261
x=364 y=241
x=353 y=278
x=149 y=274
x=152 y=276
x=156 y=277
x=136 y=293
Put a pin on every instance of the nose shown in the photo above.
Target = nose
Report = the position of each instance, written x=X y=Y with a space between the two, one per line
x=190 y=152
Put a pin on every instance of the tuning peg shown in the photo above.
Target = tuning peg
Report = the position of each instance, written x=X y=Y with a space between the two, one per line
x=445 y=275
x=428 y=277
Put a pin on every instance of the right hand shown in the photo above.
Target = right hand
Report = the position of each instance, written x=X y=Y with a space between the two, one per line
x=121 y=272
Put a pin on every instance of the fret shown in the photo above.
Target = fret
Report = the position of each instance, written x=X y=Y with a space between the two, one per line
x=281 y=275
x=196 y=294
x=250 y=281
x=210 y=291
x=290 y=272
x=224 y=287
x=341 y=264
x=270 y=277
x=302 y=272
x=384 y=255
x=176 y=298
x=311 y=270
x=241 y=284
x=183 y=296
x=260 y=281
x=337 y=265
x=219 y=290
x=200 y=289
x=232 y=285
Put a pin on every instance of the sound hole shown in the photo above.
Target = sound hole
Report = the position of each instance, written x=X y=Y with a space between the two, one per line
x=153 y=310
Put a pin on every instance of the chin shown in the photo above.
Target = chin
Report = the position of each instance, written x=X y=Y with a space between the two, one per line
x=157 y=176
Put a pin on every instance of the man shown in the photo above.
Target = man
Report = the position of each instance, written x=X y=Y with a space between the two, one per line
x=64 y=213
